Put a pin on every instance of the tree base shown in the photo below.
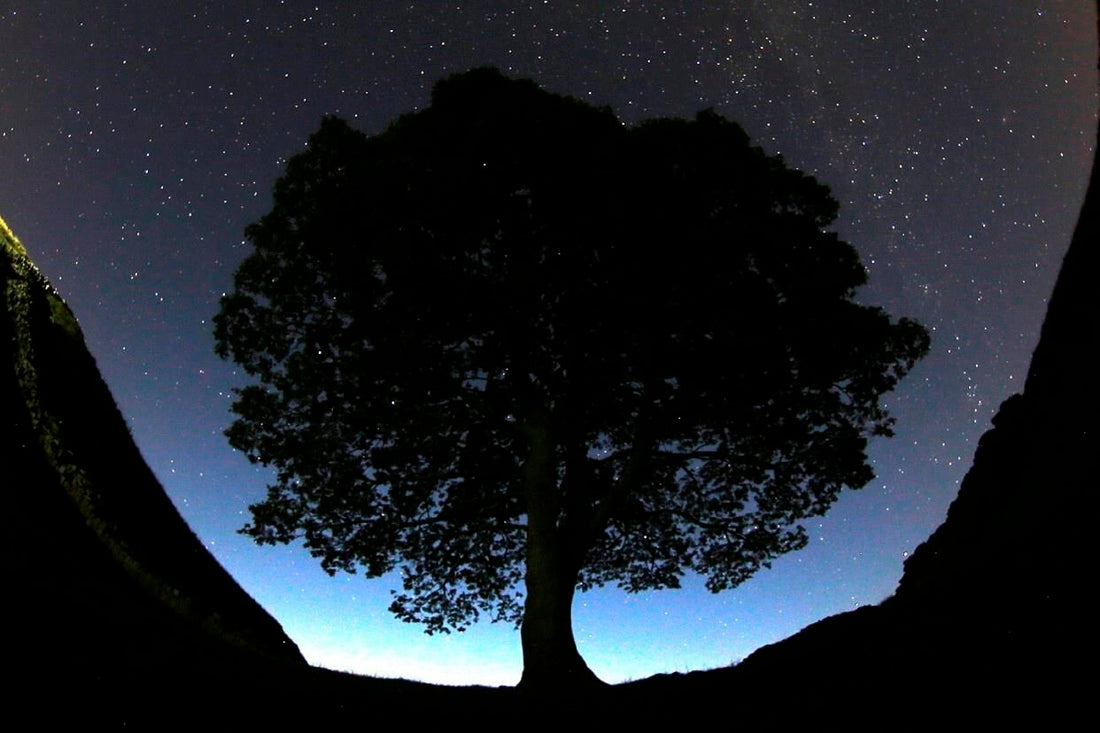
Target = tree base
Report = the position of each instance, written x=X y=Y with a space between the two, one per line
x=558 y=681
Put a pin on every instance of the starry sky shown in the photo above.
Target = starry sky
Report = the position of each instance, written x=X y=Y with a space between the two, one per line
x=138 y=139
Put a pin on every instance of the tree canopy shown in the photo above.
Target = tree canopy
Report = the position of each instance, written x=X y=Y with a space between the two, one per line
x=514 y=347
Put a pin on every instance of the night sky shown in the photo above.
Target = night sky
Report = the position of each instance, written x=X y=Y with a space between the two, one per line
x=137 y=140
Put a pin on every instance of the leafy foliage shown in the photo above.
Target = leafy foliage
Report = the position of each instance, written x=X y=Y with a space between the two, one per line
x=510 y=274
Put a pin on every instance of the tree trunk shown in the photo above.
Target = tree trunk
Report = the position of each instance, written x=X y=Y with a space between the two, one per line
x=551 y=662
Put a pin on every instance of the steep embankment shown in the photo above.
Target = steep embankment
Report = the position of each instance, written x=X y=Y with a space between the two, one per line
x=106 y=582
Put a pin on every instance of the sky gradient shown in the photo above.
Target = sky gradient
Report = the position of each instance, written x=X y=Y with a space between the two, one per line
x=137 y=141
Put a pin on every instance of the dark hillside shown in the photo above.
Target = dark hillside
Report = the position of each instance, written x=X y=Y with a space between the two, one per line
x=107 y=585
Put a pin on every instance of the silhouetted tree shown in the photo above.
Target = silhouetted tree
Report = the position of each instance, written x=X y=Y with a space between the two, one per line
x=510 y=339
